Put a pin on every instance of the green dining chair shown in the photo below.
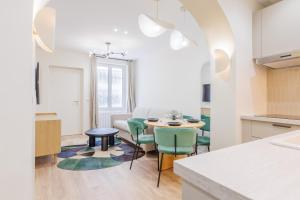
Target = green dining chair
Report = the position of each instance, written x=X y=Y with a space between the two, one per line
x=142 y=120
x=204 y=140
x=137 y=134
x=187 y=117
x=174 y=141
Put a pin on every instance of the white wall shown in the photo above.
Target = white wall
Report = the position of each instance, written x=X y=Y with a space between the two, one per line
x=250 y=80
x=172 y=79
x=64 y=58
x=16 y=115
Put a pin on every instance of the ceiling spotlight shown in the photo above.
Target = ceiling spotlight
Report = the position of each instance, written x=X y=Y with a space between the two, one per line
x=116 y=30
x=125 y=32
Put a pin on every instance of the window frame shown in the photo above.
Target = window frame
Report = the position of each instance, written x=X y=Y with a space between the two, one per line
x=124 y=69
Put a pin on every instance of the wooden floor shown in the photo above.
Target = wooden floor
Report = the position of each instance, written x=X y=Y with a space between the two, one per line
x=115 y=183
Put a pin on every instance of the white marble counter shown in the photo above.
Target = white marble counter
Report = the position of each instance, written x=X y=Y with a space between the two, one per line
x=272 y=120
x=255 y=170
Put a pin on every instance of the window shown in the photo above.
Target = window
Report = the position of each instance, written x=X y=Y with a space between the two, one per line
x=111 y=87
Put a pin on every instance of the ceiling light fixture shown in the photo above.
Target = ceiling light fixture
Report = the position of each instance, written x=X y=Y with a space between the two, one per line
x=116 y=30
x=153 y=27
x=109 y=53
x=125 y=32
x=177 y=39
x=44 y=28
x=222 y=60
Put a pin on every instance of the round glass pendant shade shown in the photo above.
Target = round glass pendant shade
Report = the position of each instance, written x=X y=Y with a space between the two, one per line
x=178 y=40
x=153 y=27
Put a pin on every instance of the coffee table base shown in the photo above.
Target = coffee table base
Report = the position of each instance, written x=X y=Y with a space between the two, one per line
x=105 y=141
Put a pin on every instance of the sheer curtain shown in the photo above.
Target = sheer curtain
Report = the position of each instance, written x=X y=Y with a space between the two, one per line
x=131 y=89
x=94 y=119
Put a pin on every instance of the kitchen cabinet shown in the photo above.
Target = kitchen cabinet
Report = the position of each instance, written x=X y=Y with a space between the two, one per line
x=253 y=130
x=276 y=29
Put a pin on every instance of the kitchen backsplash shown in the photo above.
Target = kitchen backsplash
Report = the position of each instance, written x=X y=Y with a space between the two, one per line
x=284 y=91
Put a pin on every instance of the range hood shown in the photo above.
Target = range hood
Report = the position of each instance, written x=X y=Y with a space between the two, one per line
x=288 y=59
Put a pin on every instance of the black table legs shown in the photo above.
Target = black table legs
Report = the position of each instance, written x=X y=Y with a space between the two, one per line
x=105 y=141
x=92 y=141
x=111 y=140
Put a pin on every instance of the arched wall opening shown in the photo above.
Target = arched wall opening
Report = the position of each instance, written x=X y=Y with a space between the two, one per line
x=215 y=25
x=241 y=88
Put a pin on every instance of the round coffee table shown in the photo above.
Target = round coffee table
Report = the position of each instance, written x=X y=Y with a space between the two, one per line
x=107 y=136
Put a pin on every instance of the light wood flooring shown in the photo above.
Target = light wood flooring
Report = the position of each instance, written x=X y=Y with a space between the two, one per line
x=115 y=183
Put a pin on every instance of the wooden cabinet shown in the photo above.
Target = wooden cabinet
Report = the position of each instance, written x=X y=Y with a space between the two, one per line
x=276 y=29
x=253 y=130
x=47 y=134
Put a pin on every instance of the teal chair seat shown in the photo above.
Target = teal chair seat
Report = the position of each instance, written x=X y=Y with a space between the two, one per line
x=146 y=139
x=179 y=150
x=203 y=140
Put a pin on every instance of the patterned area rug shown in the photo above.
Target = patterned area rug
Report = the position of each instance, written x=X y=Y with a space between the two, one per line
x=82 y=157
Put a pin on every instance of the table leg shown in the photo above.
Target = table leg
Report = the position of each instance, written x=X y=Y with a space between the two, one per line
x=111 y=140
x=104 y=143
x=92 y=141
x=168 y=160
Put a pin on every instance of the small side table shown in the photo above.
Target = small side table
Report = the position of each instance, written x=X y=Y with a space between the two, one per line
x=107 y=136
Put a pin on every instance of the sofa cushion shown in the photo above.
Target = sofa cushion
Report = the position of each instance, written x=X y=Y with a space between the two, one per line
x=122 y=125
x=140 y=112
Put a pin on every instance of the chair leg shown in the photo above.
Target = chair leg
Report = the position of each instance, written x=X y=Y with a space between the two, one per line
x=138 y=150
x=157 y=157
x=133 y=156
x=161 y=161
x=158 y=161
x=208 y=148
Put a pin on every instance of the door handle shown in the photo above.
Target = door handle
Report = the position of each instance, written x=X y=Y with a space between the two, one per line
x=76 y=101
x=282 y=125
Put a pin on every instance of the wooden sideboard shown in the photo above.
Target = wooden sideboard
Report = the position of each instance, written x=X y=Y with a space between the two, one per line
x=47 y=134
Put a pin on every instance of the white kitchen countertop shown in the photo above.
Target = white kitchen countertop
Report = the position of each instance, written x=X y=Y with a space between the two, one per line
x=255 y=170
x=272 y=120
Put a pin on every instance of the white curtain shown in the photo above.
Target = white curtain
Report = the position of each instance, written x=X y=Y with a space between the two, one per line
x=93 y=98
x=131 y=89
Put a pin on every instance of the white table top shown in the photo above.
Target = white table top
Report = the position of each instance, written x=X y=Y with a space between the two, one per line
x=255 y=170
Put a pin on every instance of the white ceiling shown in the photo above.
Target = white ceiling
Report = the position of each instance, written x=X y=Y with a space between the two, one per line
x=85 y=25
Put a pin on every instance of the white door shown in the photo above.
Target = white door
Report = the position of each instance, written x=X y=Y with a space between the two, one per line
x=65 y=86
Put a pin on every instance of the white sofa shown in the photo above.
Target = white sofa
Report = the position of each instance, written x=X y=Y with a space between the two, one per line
x=119 y=121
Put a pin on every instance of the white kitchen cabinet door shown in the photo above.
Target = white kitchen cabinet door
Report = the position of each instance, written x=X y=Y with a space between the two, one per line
x=280 y=28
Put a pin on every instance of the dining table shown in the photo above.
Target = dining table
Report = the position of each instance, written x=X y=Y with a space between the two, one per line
x=168 y=159
x=163 y=122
